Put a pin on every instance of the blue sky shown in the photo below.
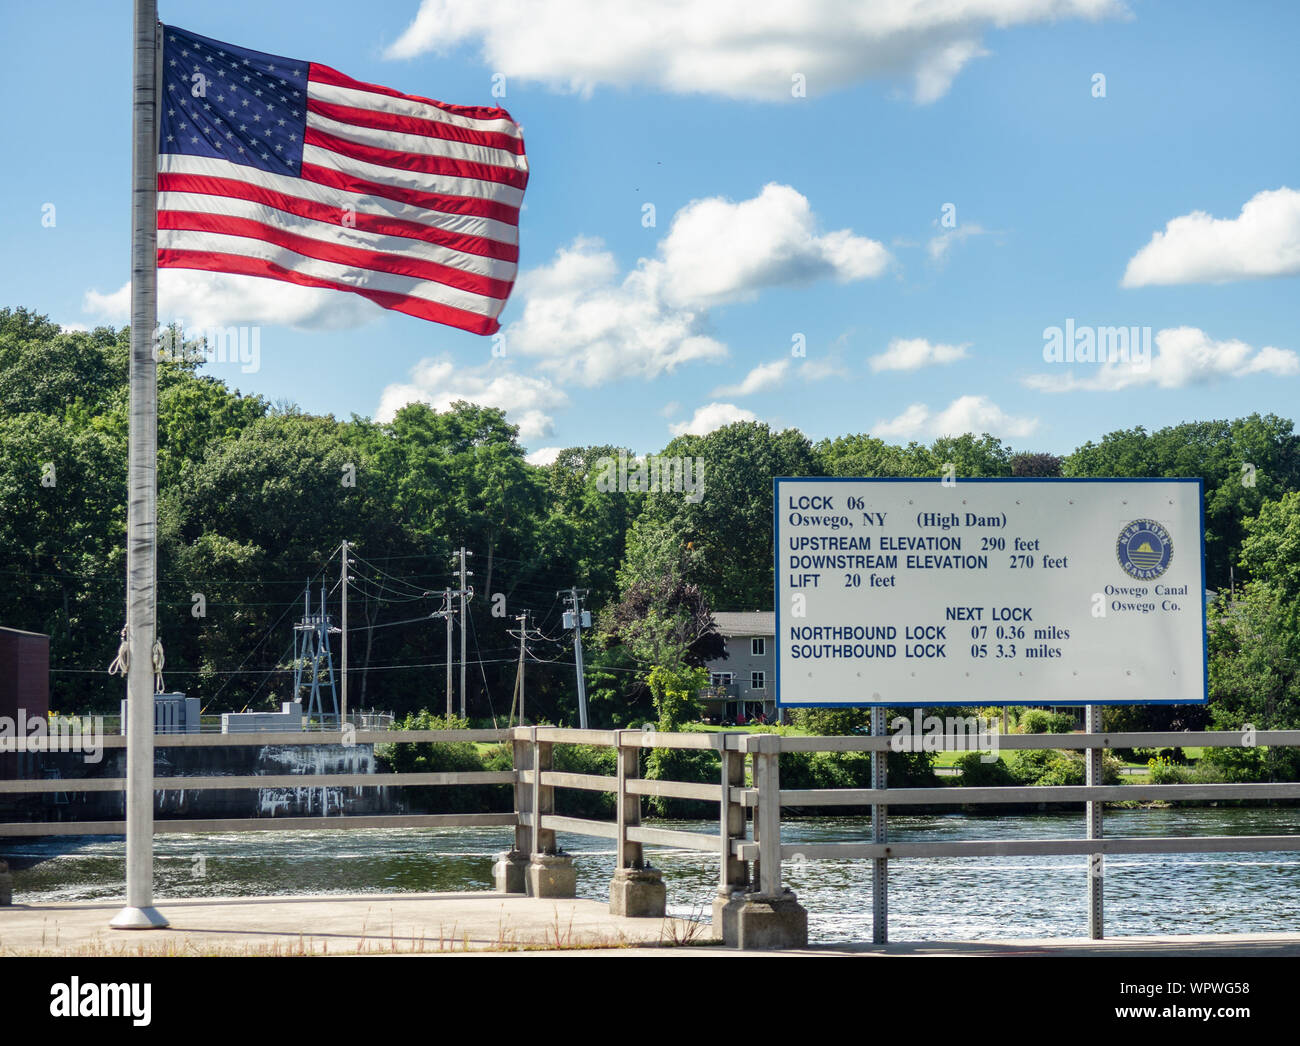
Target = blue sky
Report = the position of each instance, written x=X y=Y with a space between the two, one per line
x=1173 y=202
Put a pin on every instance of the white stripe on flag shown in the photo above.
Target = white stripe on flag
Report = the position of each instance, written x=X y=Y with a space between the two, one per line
x=418 y=180
x=366 y=279
x=416 y=143
x=385 y=103
x=465 y=224
x=329 y=233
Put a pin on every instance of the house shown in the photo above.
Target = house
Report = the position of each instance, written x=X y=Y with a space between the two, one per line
x=743 y=686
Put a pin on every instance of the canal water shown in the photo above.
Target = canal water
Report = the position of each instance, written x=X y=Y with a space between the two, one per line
x=929 y=899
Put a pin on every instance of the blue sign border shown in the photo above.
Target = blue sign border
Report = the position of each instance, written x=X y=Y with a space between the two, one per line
x=776 y=573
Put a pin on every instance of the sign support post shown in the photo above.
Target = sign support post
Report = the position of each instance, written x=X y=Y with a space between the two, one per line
x=879 y=834
x=1096 y=861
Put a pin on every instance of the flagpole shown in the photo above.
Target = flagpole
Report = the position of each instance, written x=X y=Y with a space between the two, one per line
x=142 y=490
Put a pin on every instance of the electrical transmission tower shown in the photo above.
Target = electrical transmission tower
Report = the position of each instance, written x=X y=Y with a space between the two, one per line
x=311 y=647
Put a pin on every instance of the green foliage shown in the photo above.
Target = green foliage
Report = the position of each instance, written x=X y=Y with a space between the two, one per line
x=429 y=758
x=1040 y=721
x=693 y=765
x=730 y=527
x=1048 y=767
x=1244 y=463
x=1270 y=551
x=853 y=770
x=831 y=722
x=1255 y=679
x=1164 y=770
x=585 y=759
x=251 y=503
x=975 y=773
x=674 y=692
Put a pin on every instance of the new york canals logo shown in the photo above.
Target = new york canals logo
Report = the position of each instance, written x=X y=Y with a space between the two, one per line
x=1144 y=549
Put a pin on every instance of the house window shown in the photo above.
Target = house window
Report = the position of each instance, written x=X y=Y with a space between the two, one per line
x=758 y=647
x=756 y=681
x=720 y=678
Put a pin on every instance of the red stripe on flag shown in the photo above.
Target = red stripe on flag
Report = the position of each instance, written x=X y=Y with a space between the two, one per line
x=419 y=162
x=412 y=306
x=444 y=203
x=323 y=74
x=237 y=190
x=357 y=257
x=382 y=121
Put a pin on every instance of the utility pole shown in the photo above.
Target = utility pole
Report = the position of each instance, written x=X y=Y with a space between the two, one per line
x=343 y=583
x=447 y=613
x=523 y=637
x=525 y=634
x=578 y=619
x=462 y=554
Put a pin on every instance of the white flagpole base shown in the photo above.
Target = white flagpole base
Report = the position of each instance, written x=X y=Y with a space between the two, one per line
x=139 y=919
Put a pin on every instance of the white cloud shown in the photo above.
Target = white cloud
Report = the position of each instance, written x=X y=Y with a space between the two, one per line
x=939 y=246
x=764 y=376
x=590 y=327
x=821 y=369
x=587 y=324
x=543 y=456
x=718 y=251
x=1183 y=356
x=914 y=353
x=975 y=414
x=771 y=375
x=216 y=299
x=733 y=48
x=710 y=417
x=440 y=383
x=1264 y=240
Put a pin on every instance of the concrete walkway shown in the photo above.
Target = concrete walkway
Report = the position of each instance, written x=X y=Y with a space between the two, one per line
x=459 y=923
x=373 y=924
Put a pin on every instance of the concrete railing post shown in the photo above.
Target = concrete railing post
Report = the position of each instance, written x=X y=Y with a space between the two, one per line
x=772 y=917
x=1096 y=861
x=733 y=872
x=767 y=821
x=636 y=889
x=510 y=873
x=550 y=873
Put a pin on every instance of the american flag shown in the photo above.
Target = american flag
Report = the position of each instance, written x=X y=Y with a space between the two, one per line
x=275 y=167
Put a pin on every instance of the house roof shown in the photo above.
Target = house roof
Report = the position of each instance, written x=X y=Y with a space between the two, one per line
x=746 y=623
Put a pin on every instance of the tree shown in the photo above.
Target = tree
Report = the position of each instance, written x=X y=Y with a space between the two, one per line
x=1254 y=651
x=1046 y=466
x=729 y=528
x=661 y=618
x=1243 y=463
x=1270 y=550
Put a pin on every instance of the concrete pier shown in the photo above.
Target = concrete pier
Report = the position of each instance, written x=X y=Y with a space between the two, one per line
x=638 y=893
x=552 y=875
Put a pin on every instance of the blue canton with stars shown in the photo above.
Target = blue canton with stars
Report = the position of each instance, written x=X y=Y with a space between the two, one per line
x=232 y=103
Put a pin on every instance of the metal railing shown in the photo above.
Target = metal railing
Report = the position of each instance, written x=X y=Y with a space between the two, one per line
x=748 y=793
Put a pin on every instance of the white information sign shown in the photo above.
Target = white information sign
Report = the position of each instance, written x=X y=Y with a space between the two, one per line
x=908 y=592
